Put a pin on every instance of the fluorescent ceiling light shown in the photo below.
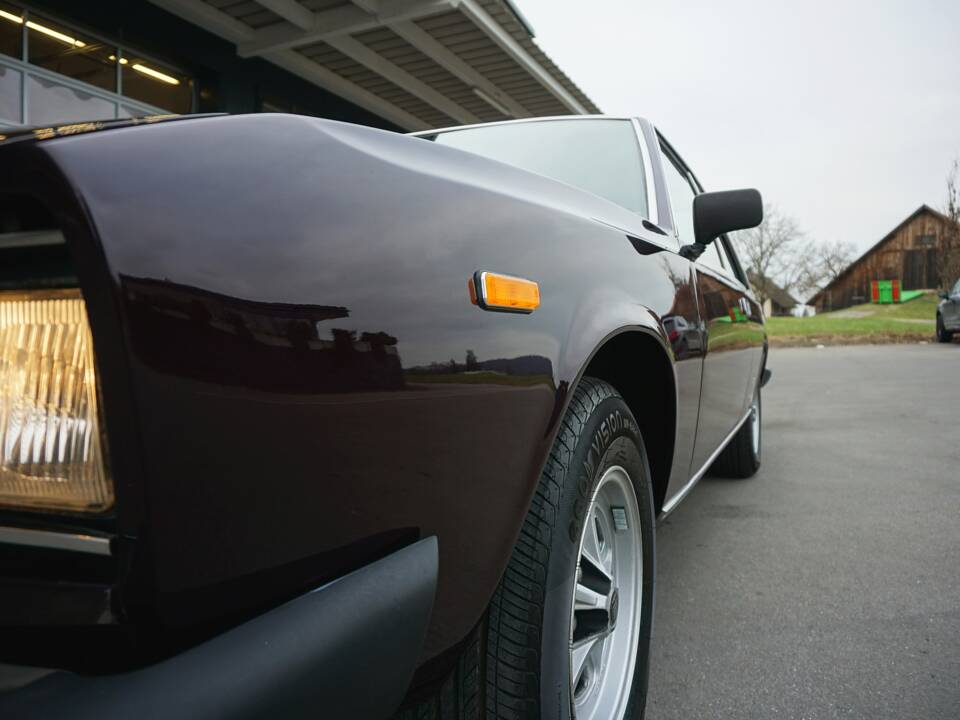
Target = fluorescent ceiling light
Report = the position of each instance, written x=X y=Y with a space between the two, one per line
x=155 y=74
x=11 y=17
x=55 y=35
x=43 y=29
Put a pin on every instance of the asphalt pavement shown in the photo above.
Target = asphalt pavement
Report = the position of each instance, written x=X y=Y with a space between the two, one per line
x=827 y=586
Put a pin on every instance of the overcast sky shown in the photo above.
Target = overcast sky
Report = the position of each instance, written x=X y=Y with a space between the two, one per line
x=845 y=114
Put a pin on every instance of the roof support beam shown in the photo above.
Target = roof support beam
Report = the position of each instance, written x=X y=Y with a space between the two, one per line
x=228 y=28
x=365 y=56
x=306 y=68
x=291 y=11
x=345 y=20
x=472 y=9
x=435 y=50
x=209 y=18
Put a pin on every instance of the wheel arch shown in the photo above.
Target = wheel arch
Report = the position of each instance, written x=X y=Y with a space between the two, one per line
x=635 y=361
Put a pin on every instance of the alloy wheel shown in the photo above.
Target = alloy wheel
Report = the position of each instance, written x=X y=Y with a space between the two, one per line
x=605 y=616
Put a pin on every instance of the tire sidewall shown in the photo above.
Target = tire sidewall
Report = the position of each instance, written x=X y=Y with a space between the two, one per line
x=610 y=437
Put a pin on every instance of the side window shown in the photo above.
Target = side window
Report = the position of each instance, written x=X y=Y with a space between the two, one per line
x=682 y=193
x=711 y=258
x=601 y=156
x=956 y=288
x=681 y=199
x=729 y=261
x=731 y=258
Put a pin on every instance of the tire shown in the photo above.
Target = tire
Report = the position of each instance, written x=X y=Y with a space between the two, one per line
x=518 y=660
x=459 y=695
x=943 y=335
x=531 y=617
x=741 y=457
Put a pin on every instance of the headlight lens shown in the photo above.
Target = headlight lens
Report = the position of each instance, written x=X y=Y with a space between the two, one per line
x=51 y=454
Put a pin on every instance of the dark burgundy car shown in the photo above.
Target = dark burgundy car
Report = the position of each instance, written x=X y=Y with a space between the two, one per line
x=300 y=418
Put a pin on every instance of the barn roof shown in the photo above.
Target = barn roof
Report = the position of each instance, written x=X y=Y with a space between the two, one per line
x=910 y=218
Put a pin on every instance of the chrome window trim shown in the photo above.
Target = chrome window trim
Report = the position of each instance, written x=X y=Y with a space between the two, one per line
x=682 y=492
x=73 y=542
x=652 y=214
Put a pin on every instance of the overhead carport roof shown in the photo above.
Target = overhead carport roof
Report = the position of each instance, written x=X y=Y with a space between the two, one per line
x=420 y=64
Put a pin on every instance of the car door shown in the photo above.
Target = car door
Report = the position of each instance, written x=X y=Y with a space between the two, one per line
x=729 y=320
x=681 y=320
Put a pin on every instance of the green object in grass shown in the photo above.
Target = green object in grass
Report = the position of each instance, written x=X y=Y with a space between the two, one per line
x=882 y=292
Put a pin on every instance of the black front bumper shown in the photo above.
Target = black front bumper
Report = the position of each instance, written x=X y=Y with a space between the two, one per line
x=345 y=650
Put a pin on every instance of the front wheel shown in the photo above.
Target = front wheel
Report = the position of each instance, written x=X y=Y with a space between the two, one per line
x=568 y=632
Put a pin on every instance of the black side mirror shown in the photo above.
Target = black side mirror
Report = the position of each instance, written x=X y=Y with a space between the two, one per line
x=716 y=213
x=943 y=295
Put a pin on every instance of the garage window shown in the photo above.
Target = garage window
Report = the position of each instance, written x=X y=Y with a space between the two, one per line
x=51 y=72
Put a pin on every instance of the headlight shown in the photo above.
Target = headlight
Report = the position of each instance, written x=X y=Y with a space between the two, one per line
x=51 y=455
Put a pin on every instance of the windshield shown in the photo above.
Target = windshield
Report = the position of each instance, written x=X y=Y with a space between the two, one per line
x=600 y=156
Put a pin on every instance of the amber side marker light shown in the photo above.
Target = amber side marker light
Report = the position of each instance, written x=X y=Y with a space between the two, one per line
x=504 y=293
x=51 y=453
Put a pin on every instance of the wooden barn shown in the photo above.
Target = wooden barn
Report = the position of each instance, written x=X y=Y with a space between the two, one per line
x=907 y=253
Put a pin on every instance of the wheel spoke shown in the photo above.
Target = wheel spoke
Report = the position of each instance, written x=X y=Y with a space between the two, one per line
x=606 y=591
x=591 y=545
x=587 y=599
x=606 y=558
x=579 y=654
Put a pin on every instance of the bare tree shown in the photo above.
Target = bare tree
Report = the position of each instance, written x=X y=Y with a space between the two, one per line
x=824 y=265
x=948 y=259
x=778 y=252
x=832 y=259
x=774 y=252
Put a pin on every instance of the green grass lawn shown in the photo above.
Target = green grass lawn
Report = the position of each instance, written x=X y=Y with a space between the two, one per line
x=903 y=322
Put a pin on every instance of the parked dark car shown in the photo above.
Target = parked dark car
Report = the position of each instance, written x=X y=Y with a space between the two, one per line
x=948 y=314
x=302 y=418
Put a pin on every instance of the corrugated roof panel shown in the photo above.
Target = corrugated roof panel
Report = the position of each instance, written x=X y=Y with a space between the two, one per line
x=461 y=37
x=373 y=82
x=379 y=39
x=508 y=20
x=398 y=51
x=453 y=30
x=246 y=11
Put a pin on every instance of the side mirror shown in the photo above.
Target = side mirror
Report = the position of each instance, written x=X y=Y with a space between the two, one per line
x=716 y=213
x=943 y=294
